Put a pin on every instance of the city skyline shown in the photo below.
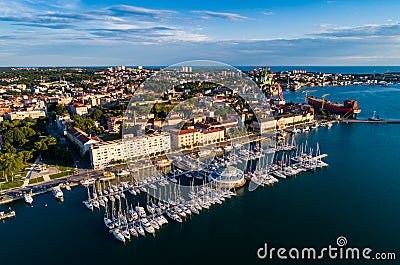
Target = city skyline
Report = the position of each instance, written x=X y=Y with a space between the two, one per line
x=87 y=33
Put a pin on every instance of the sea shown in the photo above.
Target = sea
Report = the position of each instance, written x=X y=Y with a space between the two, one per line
x=357 y=198
x=311 y=68
x=276 y=68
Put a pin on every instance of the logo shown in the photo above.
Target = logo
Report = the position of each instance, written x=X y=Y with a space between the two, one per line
x=340 y=251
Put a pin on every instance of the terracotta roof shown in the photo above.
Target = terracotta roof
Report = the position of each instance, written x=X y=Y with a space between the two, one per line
x=82 y=136
x=212 y=131
x=188 y=131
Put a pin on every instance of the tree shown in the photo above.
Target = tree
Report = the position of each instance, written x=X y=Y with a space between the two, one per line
x=41 y=146
x=50 y=141
x=19 y=137
x=8 y=148
x=28 y=132
x=60 y=109
x=97 y=114
x=11 y=164
x=26 y=155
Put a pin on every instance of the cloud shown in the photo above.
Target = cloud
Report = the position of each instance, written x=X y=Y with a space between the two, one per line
x=49 y=26
x=139 y=11
x=269 y=13
x=325 y=25
x=223 y=15
x=387 y=30
x=158 y=34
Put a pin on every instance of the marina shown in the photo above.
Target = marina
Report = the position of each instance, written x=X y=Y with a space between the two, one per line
x=282 y=203
x=165 y=200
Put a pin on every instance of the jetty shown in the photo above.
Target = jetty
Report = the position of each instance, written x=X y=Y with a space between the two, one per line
x=371 y=121
x=4 y=215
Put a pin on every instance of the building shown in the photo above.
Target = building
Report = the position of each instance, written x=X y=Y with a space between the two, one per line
x=114 y=123
x=158 y=143
x=287 y=120
x=20 y=115
x=5 y=109
x=185 y=138
x=63 y=122
x=78 y=108
x=264 y=125
x=81 y=140
x=130 y=148
x=192 y=137
x=213 y=136
x=105 y=153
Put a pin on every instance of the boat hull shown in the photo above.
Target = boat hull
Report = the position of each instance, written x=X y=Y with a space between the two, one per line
x=349 y=108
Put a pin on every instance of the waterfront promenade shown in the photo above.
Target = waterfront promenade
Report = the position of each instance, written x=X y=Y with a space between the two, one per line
x=10 y=195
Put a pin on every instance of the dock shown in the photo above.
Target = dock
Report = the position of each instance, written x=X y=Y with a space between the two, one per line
x=7 y=215
x=371 y=121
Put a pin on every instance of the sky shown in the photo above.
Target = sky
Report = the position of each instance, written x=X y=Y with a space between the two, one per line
x=107 y=33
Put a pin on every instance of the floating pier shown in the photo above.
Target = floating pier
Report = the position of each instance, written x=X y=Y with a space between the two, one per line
x=372 y=121
x=4 y=215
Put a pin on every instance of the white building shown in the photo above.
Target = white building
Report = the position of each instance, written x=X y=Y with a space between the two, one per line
x=264 y=125
x=130 y=148
x=78 y=108
x=20 y=115
x=213 y=136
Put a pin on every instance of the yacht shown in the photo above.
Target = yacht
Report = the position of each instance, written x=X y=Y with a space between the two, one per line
x=133 y=231
x=28 y=198
x=228 y=148
x=151 y=185
x=147 y=226
x=237 y=145
x=57 y=193
x=138 y=228
x=154 y=224
x=101 y=202
x=172 y=179
x=204 y=153
x=140 y=210
x=87 y=182
x=296 y=130
x=117 y=234
x=108 y=222
x=174 y=216
x=96 y=204
x=125 y=232
x=374 y=117
x=88 y=205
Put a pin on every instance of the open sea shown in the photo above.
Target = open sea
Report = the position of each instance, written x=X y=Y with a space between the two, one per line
x=357 y=196
x=323 y=69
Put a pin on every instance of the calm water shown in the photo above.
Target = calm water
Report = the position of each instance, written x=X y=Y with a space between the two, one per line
x=333 y=69
x=357 y=197
x=325 y=69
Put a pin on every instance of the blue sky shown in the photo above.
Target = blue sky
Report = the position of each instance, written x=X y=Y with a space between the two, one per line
x=78 y=32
